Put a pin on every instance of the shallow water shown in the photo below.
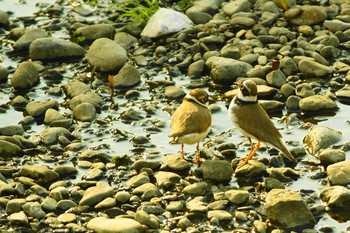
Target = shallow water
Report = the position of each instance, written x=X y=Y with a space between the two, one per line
x=103 y=136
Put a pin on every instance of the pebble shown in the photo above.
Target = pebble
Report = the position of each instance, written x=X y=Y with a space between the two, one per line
x=84 y=112
x=106 y=55
x=41 y=49
x=299 y=217
x=25 y=76
x=338 y=173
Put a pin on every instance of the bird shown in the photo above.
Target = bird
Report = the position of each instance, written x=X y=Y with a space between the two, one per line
x=191 y=121
x=251 y=119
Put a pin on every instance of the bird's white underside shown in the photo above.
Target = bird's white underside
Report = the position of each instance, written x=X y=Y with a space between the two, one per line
x=192 y=138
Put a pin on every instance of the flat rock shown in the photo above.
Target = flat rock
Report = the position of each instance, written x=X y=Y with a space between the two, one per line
x=306 y=15
x=314 y=69
x=216 y=170
x=88 y=97
x=51 y=48
x=41 y=174
x=116 y=225
x=36 y=108
x=95 y=194
x=96 y=31
x=8 y=149
x=317 y=103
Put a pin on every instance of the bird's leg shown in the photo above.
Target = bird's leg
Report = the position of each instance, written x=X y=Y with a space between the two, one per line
x=198 y=158
x=182 y=151
x=251 y=153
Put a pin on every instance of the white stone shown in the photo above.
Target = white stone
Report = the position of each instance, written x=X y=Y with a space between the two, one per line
x=166 y=21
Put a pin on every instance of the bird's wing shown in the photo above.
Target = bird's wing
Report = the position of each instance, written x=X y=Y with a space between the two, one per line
x=195 y=122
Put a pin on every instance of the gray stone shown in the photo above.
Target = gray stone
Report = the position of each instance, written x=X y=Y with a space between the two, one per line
x=52 y=115
x=51 y=135
x=96 y=31
x=233 y=7
x=106 y=55
x=147 y=219
x=29 y=35
x=88 y=97
x=226 y=70
x=216 y=170
x=25 y=76
x=176 y=163
x=19 y=219
x=335 y=25
x=116 y=225
x=278 y=203
x=196 y=68
x=276 y=78
x=51 y=48
x=36 y=108
x=75 y=88
x=125 y=40
x=138 y=180
x=6 y=189
x=84 y=112
x=33 y=209
x=128 y=76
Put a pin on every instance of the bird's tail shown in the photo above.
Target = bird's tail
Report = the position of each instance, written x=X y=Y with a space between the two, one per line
x=283 y=148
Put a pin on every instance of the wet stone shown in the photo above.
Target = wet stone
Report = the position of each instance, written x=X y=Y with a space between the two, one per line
x=338 y=173
x=67 y=218
x=95 y=194
x=217 y=170
x=317 y=103
x=51 y=135
x=19 y=219
x=36 y=108
x=176 y=163
x=42 y=49
x=41 y=174
x=25 y=76
x=29 y=35
x=128 y=76
x=196 y=189
x=75 y=88
x=9 y=149
x=237 y=197
x=93 y=32
x=84 y=112
x=33 y=209
x=337 y=197
x=117 y=225
x=297 y=218
x=321 y=137
x=106 y=55
x=89 y=97
x=331 y=156
x=172 y=92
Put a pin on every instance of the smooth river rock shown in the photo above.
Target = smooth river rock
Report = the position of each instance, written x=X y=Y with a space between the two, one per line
x=106 y=55
x=278 y=210
x=116 y=225
x=339 y=173
x=25 y=76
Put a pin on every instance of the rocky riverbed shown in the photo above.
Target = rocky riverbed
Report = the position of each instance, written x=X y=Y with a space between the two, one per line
x=86 y=101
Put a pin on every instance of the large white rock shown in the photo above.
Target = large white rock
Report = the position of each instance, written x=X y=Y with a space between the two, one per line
x=166 y=21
